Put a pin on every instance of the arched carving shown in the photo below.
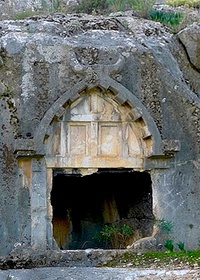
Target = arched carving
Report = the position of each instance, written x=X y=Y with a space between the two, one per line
x=139 y=136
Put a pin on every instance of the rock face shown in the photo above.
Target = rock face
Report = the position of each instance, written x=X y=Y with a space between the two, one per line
x=98 y=98
x=190 y=38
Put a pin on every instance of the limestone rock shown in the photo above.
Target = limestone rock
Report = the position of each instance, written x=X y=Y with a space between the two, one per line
x=190 y=38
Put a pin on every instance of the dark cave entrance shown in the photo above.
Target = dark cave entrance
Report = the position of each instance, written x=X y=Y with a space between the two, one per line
x=109 y=209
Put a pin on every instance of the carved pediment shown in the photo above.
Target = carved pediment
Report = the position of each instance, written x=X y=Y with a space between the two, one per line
x=96 y=131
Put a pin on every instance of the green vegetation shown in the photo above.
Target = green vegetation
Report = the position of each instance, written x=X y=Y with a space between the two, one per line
x=169 y=255
x=116 y=5
x=141 y=4
x=91 y=6
x=169 y=245
x=115 y=236
x=165 y=226
x=24 y=14
x=166 y=17
x=181 y=246
x=143 y=8
x=190 y=257
x=187 y=3
x=55 y=6
x=106 y=6
x=157 y=259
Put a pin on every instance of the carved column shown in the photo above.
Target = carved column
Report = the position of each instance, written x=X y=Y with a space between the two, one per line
x=34 y=174
x=38 y=204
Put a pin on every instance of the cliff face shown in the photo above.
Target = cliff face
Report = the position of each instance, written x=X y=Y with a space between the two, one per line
x=90 y=92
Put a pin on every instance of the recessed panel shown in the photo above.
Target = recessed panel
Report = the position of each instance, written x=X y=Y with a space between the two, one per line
x=109 y=140
x=77 y=139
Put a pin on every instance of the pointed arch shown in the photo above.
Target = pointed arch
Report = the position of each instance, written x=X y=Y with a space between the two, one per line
x=118 y=95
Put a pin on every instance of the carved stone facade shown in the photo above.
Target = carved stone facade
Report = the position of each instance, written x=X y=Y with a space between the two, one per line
x=97 y=129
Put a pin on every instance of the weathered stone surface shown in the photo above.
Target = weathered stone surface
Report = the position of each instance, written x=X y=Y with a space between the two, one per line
x=190 y=38
x=79 y=93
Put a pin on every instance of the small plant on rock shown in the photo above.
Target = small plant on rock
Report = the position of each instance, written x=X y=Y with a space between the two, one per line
x=165 y=226
x=166 y=17
x=181 y=246
x=169 y=245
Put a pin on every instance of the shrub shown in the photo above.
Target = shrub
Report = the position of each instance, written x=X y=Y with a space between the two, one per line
x=166 y=17
x=188 y=3
x=116 y=236
x=175 y=3
x=144 y=6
